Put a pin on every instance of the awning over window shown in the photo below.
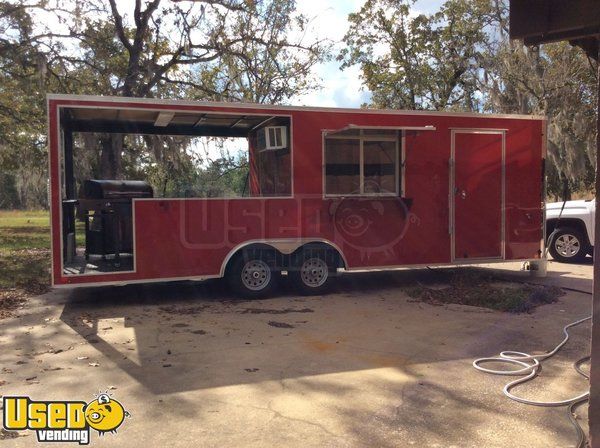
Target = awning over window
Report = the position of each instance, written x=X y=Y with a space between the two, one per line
x=353 y=129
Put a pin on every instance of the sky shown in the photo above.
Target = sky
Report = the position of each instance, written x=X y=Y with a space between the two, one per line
x=340 y=88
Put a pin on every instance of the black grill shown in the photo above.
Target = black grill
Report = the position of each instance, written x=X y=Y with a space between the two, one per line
x=105 y=207
x=115 y=189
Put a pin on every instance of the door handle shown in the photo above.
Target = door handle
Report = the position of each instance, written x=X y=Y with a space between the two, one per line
x=461 y=193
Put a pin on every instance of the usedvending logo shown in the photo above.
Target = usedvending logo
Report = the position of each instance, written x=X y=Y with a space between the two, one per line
x=64 y=421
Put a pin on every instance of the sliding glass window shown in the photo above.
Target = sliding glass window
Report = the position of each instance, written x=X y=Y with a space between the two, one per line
x=362 y=162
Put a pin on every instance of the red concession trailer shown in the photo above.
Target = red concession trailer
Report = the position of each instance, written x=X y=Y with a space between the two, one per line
x=327 y=189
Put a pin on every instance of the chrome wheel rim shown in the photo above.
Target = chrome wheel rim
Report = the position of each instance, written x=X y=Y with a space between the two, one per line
x=256 y=275
x=314 y=272
x=567 y=245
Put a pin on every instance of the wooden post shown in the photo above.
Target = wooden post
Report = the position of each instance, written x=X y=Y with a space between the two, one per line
x=594 y=408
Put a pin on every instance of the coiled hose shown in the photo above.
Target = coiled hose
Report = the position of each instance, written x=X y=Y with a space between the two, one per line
x=530 y=367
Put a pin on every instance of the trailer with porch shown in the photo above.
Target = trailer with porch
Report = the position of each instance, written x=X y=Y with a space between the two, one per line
x=326 y=190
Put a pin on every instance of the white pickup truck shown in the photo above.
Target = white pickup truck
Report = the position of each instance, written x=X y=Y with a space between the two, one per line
x=573 y=236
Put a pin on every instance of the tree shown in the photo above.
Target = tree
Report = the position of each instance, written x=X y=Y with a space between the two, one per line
x=22 y=121
x=207 y=49
x=266 y=65
x=555 y=80
x=167 y=48
x=417 y=62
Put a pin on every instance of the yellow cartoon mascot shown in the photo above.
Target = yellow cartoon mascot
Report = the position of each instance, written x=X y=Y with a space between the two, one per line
x=105 y=414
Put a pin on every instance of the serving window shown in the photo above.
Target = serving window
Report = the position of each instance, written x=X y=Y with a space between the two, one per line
x=362 y=162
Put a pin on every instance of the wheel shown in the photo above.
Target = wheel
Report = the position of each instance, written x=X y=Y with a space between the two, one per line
x=311 y=272
x=252 y=275
x=568 y=245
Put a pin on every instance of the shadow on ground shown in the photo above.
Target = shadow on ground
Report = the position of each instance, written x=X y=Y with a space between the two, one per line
x=208 y=338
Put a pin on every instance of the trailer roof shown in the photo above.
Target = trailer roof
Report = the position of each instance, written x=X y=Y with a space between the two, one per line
x=128 y=101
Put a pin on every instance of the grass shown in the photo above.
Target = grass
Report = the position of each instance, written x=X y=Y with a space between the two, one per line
x=24 y=257
x=474 y=287
x=21 y=230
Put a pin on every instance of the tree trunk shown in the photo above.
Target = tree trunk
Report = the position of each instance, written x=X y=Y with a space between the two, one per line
x=110 y=156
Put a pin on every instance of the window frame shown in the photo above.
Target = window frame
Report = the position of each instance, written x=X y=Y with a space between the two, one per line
x=398 y=138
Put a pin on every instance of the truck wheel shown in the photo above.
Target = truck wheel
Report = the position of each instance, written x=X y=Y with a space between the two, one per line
x=252 y=275
x=568 y=245
x=311 y=272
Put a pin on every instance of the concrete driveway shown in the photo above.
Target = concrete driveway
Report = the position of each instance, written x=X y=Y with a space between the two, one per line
x=364 y=366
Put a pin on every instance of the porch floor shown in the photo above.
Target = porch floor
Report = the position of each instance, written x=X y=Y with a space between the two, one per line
x=97 y=264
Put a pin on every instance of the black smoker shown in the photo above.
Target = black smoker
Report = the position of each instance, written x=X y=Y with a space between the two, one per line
x=105 y=207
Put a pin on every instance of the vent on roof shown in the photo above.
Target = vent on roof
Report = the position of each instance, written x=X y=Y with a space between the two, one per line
x=271 y=138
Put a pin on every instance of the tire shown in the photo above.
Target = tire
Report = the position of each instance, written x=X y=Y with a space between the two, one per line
x=568 y=245
x=252 y=275
x=312 y=270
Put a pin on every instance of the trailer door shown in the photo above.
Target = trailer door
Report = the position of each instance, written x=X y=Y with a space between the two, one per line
x=476 y=194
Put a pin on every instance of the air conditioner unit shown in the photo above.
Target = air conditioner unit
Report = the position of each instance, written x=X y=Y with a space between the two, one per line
x=271 y=138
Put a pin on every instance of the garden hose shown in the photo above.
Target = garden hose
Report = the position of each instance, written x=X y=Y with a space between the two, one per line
x=529 y=368
x=530 y=365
